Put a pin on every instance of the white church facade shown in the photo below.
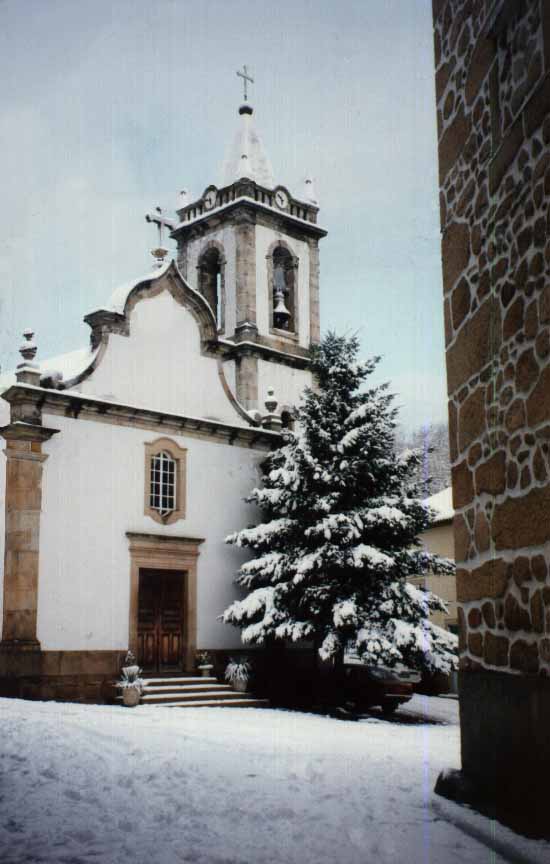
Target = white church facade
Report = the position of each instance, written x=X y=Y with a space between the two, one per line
x=127 y=463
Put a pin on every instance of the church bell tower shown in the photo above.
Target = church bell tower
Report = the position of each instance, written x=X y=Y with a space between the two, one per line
x=251 y=248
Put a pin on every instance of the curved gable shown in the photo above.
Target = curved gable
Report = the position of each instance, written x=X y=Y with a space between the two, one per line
x=155 y=347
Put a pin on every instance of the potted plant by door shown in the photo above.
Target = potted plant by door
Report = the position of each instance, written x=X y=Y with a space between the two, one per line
x=130 y=683
x=204 y=664
x=238 y=673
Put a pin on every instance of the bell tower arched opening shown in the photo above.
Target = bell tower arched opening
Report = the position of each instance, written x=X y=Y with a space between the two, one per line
x=211 y=282
x=283 y=289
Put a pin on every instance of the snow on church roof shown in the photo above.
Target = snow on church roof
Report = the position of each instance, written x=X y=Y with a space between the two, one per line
x=442 y=503
x=247 y=156
x=69 y=365
x=117 y=301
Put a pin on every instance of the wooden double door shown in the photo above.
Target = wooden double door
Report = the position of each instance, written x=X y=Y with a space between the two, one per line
x=161 y=609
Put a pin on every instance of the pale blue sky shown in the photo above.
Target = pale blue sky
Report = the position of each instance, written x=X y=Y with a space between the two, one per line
x=111 y=106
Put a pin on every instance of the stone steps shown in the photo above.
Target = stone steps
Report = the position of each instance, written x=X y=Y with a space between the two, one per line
x=188 y=691
x=239 y=702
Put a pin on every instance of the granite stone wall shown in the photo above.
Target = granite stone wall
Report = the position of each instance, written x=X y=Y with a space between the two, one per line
x=492 y=73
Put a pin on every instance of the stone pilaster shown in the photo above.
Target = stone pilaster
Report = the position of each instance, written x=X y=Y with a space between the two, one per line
x=314 y=319
x=23 y=504
x=245 y=267
x=246 y=366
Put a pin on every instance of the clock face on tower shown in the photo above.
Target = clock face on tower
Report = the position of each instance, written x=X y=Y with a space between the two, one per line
x=281 y=199
x=210 y=198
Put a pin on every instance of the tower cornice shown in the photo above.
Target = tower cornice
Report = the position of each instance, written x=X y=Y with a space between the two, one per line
x=252 y=199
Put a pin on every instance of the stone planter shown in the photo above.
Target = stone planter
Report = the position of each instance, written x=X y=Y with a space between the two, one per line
x=206 y=670
x=131 y=696
x=240 y=685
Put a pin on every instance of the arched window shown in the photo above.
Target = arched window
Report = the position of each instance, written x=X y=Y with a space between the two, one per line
x=211 y=282
x=283 y=290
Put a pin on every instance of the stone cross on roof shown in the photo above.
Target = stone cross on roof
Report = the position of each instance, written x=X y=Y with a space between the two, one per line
x=246 y=78
x=161 y=222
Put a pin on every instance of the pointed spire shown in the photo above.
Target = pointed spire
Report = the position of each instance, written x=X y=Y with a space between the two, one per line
x=247 y=156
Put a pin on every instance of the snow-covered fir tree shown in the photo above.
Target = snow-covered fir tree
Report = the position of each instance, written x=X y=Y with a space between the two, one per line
x=339 y=538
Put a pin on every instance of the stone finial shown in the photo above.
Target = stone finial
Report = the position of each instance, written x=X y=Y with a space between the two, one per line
x=157 y=218
x=28 y=372
x=28 y=348
x=159 y=254
x=308 y=191
x=271 y=420
x=183 y=199
x=271 y=403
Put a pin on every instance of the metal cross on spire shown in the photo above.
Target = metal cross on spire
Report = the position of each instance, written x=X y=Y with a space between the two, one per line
x=246 y=78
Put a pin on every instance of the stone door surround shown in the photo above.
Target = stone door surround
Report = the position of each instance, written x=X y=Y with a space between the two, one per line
x=161 y=552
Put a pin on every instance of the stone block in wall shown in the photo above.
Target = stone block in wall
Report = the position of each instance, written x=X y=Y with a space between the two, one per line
x=538 y=403
x=514 y=319
x=453 y=420
x=505 y=155
x=488 y=580
x=442 y=77
x=463 y=485
x=527 y=371
x=495 y=650
x=461 y=532
x=482 y=58
x=536 y=607
x=455 y=246
x=490 y=476
x=475 y=644
x=538 y=107
x=474 y=345
x=437 y=8
x=539 y=568
x=460 y=302
x=515 y=416
x=482 y=533
x=524 y=657
x=452 y=143
x=523 y=521
x=488 y=612
x=471 y=418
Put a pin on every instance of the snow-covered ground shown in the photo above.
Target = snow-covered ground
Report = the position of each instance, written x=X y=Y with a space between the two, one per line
x=105 y=784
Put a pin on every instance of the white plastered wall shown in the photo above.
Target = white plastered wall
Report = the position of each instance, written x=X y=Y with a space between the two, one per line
x=160 y=366
x=93 y=493
x=439 y=540
x=287 y=382
x=265 y=237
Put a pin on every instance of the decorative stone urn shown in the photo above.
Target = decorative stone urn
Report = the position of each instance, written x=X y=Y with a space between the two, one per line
x=131 y=696
x=206 y=669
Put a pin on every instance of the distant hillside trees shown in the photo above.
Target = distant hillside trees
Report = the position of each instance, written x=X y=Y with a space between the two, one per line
x=433 y=471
